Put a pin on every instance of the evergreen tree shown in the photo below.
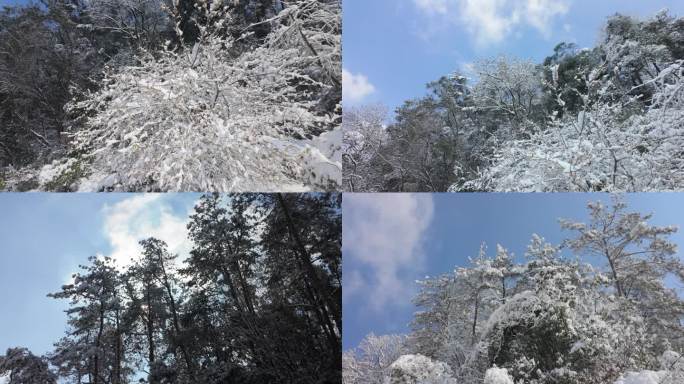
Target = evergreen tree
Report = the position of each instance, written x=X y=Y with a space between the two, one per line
x=598 y=308
x=94 y=318
x=20 y=366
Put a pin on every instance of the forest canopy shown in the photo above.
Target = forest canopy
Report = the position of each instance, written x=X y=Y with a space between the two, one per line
x=170 y=95
x=608 y=118
x=602 y=306
x=257 y=300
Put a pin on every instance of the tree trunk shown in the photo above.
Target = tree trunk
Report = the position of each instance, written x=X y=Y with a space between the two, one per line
x=307 y=264
x=305 y=260
x=119 y=357
x=228 y=278
x=174 y=313
x=477 y=307
x=618 y=285
x=241 y=278
x=150 y=327
x=96 y=368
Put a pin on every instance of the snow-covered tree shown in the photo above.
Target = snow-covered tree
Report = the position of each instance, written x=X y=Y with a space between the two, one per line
x=600 y=307
x=418 y=369
x=95 y=319
x=218 y=114
x=671 y=372
x=371 y=361
x=604 y=148
x=155 y=308
x=455 y=307
x=142 y=23
x=637 y=258
x=203 y=120
x=364 y=134
x=607 y=118
x=20 y=366
x=258 y=300
x=510 y=90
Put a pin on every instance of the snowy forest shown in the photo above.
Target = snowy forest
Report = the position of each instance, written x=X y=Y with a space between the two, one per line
x=170 y=95
x=601 y=307
x=608 y=118
x=258 y=300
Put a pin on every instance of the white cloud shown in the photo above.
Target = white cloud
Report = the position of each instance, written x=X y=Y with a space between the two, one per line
x=139 y=217
x=355 y=87
x=490 y=21
x=353 y=283
x=384 y=233
x=486 y=19
x=540 y=13
x=433 y=6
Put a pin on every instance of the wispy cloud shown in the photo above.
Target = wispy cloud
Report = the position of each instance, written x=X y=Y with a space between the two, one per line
x=540 y=13
x=139 y=217
x=490 y=21
x=433 y=6
x=355 y=87
x=383 y=239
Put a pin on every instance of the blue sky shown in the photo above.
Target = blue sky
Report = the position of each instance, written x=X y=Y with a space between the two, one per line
x=13 y=2
x=45 y=236
x=392 y=48
x=391 y=240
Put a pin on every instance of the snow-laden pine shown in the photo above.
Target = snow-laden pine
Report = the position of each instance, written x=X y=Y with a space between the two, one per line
x=600 y=307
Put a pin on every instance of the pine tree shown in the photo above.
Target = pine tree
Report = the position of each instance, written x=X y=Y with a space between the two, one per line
x=637 y=258
x=20 y=366
x=94 y=319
